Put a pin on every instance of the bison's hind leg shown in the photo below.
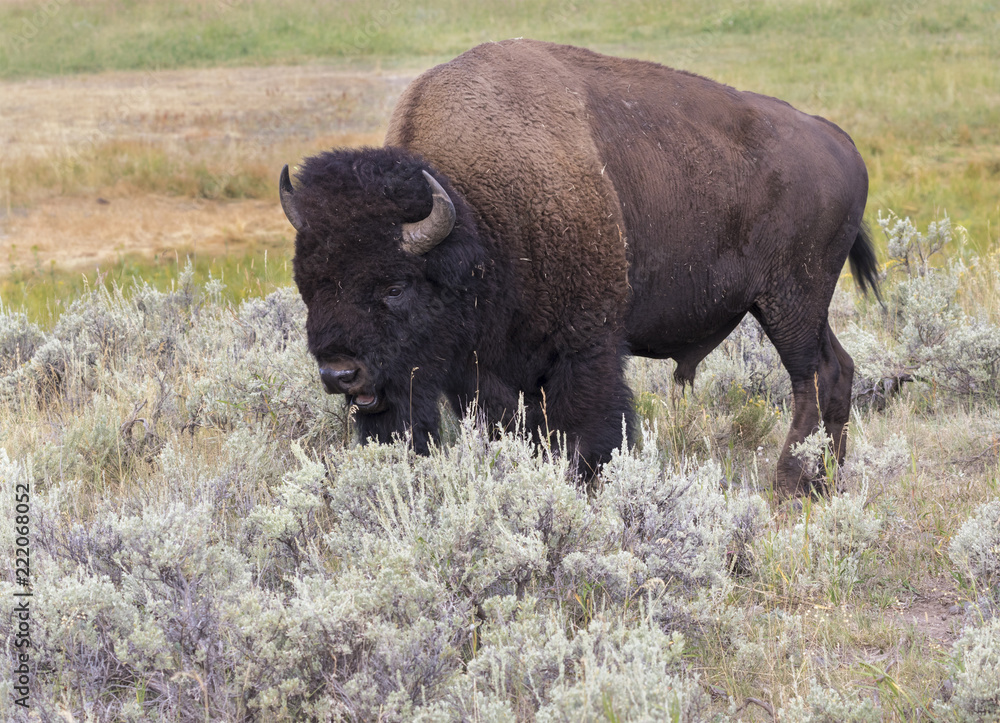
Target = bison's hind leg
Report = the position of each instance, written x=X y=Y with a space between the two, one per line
x=838 y=411
x=822 y=390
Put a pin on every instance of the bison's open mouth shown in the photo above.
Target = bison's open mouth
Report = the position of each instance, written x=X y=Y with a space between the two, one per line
x=367 y=403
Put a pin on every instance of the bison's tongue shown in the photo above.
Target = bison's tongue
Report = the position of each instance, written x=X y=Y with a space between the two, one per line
x=363 y=400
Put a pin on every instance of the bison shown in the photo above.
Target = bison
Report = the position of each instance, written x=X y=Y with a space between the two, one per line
x=540 y=211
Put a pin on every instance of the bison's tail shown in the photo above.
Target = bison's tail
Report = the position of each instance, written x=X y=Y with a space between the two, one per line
x=864 y=265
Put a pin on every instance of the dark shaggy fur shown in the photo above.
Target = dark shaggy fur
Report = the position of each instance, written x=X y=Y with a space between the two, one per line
x=604 y=206
x=443 y=337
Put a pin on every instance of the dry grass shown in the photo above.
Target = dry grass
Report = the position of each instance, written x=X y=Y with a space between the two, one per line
x=154 y=168
x=79 y=233
x=153 y=165
x=254 y=106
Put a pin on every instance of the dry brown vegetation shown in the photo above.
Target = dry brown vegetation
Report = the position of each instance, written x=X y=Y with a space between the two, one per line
x=96 y=167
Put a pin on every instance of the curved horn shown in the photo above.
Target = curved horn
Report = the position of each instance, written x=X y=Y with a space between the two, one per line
x=288 y=200
x=420 y=237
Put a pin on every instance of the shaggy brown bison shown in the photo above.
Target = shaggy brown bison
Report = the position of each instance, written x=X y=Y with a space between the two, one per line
x=539 y=211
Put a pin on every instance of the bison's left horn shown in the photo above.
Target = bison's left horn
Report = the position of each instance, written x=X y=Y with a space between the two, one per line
x=288 y=200
x=420 y=237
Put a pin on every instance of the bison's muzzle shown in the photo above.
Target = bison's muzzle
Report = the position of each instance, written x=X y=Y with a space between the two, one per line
x=351 y=378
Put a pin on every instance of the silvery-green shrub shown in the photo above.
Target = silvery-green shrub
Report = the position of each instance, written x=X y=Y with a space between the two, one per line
x=759 y=640
x=867 y=463
x=957 y=351
x=426 y=546
x=826 y=553
x=975 y=549
x=935 y=340
x=975 y=671
x=678 y=521
x=748 y=360
x=19 y=339
x=621 y=673
x=135 y=602
x=813 y=452
x=375 y=582
x=967 y=361
x=910 y=249
x=828 y=705
x=205 y=544
x=881 y=364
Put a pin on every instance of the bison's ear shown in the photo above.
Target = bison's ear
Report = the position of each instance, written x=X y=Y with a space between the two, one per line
x=287 y=194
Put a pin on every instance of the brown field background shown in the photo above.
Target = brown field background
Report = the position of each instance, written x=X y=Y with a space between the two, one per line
x=238 y=117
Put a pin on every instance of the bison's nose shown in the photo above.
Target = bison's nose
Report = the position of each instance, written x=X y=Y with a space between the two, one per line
x=337 y=380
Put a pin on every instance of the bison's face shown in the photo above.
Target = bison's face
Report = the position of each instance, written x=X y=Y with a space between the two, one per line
x=384 y=316
x=372 y=317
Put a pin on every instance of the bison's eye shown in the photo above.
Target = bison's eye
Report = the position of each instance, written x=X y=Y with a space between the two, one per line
x=393 y=293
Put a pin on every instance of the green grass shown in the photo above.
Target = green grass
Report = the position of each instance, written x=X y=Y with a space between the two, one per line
x=43 y=293
x=106 y=34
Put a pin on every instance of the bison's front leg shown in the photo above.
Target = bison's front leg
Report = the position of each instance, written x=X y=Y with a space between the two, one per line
x=584 y=396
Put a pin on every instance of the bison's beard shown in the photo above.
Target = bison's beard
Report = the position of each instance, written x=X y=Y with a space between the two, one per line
x=400 y=410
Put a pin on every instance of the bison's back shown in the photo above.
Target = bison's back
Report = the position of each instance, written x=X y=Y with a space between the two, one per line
x=625 y=192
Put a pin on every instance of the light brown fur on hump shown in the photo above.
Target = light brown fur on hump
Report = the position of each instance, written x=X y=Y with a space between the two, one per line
x=511 y=132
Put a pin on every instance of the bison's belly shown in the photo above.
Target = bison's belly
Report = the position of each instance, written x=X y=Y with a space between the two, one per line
x=679 y=339
x=672 y=312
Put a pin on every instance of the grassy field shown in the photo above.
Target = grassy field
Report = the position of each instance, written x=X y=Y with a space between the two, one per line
x=206 y=541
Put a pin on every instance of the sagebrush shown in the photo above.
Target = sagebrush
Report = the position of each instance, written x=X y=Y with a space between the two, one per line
x=207 y=543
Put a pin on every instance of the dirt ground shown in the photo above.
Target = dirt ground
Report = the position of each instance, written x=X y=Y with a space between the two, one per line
x=81 y=233
x=934 y=612
x=311 y=107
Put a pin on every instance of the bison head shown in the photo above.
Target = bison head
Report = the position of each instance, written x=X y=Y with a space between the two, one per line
x=387 y=268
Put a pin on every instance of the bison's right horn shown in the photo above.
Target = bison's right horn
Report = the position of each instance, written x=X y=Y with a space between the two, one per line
x=288 y=200
x=420 y=237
